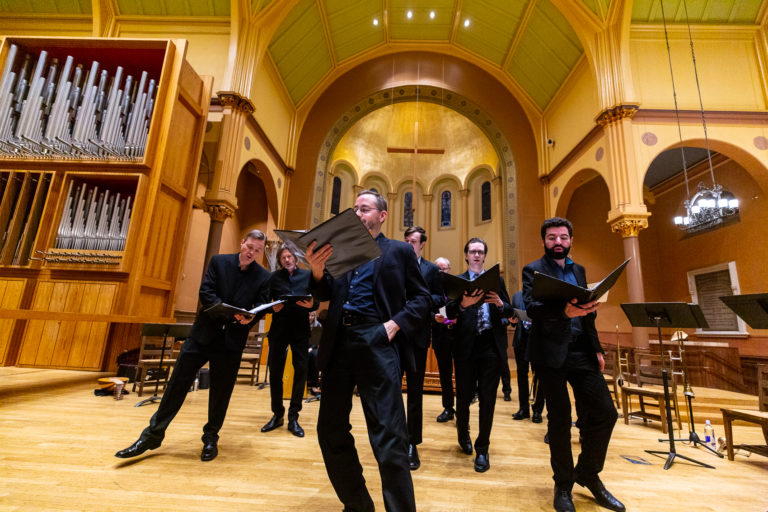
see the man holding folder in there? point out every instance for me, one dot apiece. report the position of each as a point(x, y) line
point(564, 349)
point(372, 307)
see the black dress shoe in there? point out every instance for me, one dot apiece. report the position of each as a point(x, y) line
point(563, 500)
point(602, 496)
point(413, 457)
point(521, 415)
point(138, 448)
point(466, 444)
point(507, 398)
point(294, 427)
point(546, 438)
point(482, 464)
point(446, 415)
point(210, 451)
point(273, 423)
point(536, 417)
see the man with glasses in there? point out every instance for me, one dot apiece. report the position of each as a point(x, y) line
point(564, 349)
point(372, 308)
point(479, 350)
point(237, 280)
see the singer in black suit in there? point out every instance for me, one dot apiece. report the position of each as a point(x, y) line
point(520, 342)
point(479, 350)
point(565, 349)
point(415, 366)
point(237, 280)
point(372, 308)
point(443, 330)
point(289, 328)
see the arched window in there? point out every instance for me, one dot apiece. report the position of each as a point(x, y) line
point(485, 201)
point(408, 209)
point(445, 209)
point(336, 195)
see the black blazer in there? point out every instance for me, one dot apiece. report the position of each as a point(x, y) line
point(522, 335)
point(466, 324)
point(292, 321)
point(431, 274)
point(225, 282)
point(399, 294)
point(551, 330)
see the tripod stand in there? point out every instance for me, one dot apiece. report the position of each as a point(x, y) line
point(669, 314)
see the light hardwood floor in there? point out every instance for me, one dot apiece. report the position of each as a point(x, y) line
point(58, 441)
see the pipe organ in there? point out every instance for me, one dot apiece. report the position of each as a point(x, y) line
point(95, 197)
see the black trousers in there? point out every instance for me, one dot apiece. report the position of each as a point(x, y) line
point(223, 365)
point(506, 385)
point(597, 416)
point(363, 356)
point(278, 353)
point(313, 374)
point(414, 379)
point(522, 365)
point(480, 372)
point(441, 344)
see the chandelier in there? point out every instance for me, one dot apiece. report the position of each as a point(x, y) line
point(710, 207)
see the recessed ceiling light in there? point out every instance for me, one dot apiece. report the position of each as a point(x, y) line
point(409, 14)
point(431, 15)
point(466, 22)
point(375, 22)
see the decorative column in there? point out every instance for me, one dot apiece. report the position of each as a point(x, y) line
point(464, 195)
point(629, 228)
point(427, 224)
point(219, 212)
point(390, 228)
point(496, 198)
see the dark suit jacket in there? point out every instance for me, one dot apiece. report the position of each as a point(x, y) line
point(466, 324)
point(291, 322)
point(522, 335)
point(399, 294)
point(225, 282)
point(551, 330)
point(431, 274)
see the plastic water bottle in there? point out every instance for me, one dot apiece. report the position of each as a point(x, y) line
point(709, 435)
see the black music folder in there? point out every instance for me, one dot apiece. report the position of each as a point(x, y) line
point(224, 310)
point(352, 244)
point(455, 286)
point(546, 287)
point(293, 299)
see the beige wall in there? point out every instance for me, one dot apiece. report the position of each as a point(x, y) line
point(274, 111)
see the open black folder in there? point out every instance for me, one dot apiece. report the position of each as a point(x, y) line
point(551, 288)
point(352, 244)
point(455, 286)
point(224, 310)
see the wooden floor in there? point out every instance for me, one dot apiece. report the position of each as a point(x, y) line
point(57, 445)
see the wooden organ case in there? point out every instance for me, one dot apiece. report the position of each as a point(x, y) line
point(100, 144)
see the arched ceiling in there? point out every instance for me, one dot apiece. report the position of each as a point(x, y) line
point(529, 41)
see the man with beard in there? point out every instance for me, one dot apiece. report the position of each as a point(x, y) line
point(479, 351)
point(415, 365)
point(565, 349)
point(289, 328)
point(237, 280)
point(372, 308)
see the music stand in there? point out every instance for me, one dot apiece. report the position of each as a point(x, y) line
point(166, 331)
point(752, 308)
point(666, 314)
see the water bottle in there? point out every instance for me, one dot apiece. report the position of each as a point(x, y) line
point(196, 385)
point(709, 435)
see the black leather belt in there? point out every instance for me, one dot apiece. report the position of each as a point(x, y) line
point(350, 319)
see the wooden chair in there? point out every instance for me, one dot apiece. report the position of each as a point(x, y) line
point(648, 373)
point(251, 360)
point(759, 417)
point(611, 373)
point(157, 353)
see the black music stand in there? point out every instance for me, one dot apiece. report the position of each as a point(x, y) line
point(166, 331)
point(666, 314)
point(752, 308)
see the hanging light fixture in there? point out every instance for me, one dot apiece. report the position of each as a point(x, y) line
point(710, 206)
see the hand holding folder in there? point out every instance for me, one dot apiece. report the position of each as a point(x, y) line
point(224, 310)
point(352, 244)
point(546, 287)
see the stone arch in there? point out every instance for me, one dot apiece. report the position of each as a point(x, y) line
point(563, 197)
point(377, 179)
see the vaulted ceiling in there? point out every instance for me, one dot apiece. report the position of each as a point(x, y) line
point(530, 41)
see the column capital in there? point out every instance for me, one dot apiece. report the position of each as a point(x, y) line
point(235, 101)
point(427, 197)
point(219, 212)
point(464, 192)
point(629, 225)
point(617, 113)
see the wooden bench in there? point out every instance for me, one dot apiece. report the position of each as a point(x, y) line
point(647, 372)
point(759, 417)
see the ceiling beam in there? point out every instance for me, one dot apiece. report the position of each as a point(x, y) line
point(327, 32)
point(524, 19)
